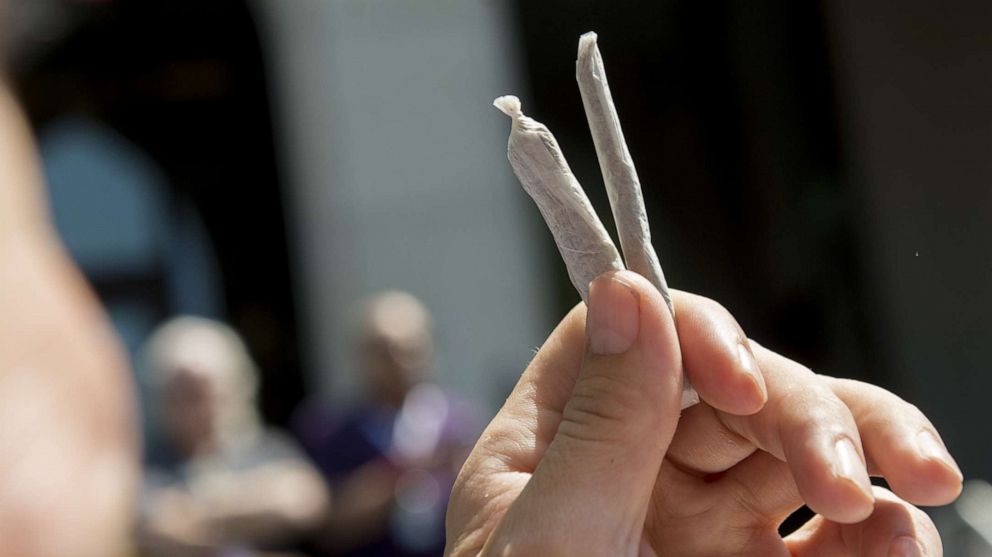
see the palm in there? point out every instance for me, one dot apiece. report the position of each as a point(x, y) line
point(687, 501)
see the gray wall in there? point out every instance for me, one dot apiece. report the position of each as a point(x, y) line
point(397, 168)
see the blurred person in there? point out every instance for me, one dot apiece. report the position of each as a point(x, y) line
point(590, 456)
point(68, 446)
point(228, 485)
point(392, 460)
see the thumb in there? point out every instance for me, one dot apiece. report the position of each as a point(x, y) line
point(591, 490)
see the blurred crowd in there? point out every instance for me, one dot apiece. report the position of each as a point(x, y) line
point(368, 479)
point(371, 480)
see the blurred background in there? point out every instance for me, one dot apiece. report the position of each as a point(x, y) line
point(820, 168)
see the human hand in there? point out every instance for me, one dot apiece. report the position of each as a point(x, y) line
point(585, 457)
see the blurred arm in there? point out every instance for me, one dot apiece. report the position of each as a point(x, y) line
point(273, 503)
point(67, 446)
point(263, 507)
point(361, 509)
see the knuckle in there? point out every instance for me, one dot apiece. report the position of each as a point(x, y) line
point(714, 309)
point(814, 409)
point(878, 406)
point(604, 408)
point(747, 500)
point(711, 311)
point(601, 399)
point(910, 409)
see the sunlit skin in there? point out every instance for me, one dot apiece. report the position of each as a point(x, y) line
point(589, 456)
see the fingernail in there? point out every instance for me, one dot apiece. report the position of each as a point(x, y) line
point(905, 546)
point(750, 366)
point(849, 465)
point(614, 319)
point(931, 448)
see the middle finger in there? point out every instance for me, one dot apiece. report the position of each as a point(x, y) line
point(803, 424)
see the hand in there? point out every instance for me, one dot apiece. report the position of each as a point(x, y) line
point(588, 455)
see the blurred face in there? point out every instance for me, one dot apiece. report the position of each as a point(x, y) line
point(396, 347)
point(204, 392)
point(190, 412)
point(394, 365)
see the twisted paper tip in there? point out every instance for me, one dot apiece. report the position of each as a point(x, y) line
point(509, 105)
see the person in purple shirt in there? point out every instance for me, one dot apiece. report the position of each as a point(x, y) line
point(392, 460)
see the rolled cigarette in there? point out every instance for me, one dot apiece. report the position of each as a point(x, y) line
point(620, 177)
point(622, 184)
point(541, 168)
point(583, 242)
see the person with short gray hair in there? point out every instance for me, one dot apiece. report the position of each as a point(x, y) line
point(227, 480)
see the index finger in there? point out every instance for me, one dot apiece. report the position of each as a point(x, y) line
point(717, 357)
point(715, 354)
